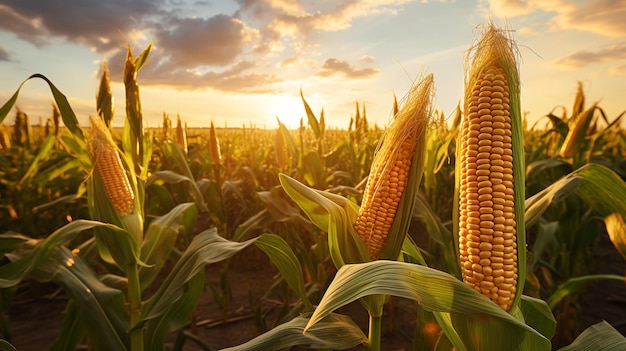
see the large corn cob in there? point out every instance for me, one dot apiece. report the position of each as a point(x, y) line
point(109, 166)
point(390, 170)
point(487, 226)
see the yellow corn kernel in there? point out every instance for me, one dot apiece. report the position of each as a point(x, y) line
point(487, 223)
point(109, 166)
point(389, 173)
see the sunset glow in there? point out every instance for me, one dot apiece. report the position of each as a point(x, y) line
point(242, 62)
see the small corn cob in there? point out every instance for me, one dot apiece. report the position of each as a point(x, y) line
point(214, 146)
point(181, 135)
point(389, 173)
point(487, 207)
point(109, 166)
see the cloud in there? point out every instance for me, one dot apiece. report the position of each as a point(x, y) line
point(603, 17)
point(192, 42)
point(98, 24)
point(334, 67)
point(367, 59)
point(238, 77)
point(4, 55)
point(296, 62)
point(585, 58)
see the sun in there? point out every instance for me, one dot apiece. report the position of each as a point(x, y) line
point(289, 109)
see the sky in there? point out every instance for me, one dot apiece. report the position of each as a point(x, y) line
point(244, 62)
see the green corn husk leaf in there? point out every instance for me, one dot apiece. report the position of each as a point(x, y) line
point(574, 285)
point(332, 214)
point(67, 114)
point(497, 48)
point(333, 332)
point(315, 126)
point(435, 291)
point(538, 315)
point(600, 336)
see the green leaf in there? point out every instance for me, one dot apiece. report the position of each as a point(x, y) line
point(616, 228)
point(537, 314)
point(333, 332)
point(6, 346)
point(434, 290)
point(285, 260)
point(601, 336)
point(159, 240)
point(12, 273)
point(176, 314)
point(44, 152)
point(573, 286)
point(332, 214)
point(311, 117)
point(101, 309)
point(205, 248)
point(72, 330)
point(67, 114)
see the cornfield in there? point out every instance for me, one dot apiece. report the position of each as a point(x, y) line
point(477, 233)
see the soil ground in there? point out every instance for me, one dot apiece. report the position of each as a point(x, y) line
point(34, 319)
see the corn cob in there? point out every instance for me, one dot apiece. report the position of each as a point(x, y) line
point(181, 135)
point(109, 166)
point(487, 208)
point(389, 173)
point(214, 146)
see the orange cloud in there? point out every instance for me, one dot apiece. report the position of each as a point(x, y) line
point(334, 67)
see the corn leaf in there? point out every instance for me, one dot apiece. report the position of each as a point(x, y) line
point(538, 315)
point(44, 152)
point(577, 133)
point(283, 257)
point(100, 309)
point(205, 248)
point(439, 233)
point(616, 228)
point(311, 117)
point(333, 332)
point(176, 315)
point(69, 118)
point(160, 238)
point(12, 273)
point(6, 346)
point(72, 330)
point(435, 291)
point(290, 143)
point(332, 214)
point(537, 204)
point(104, 97)
point(600, 336)
point(574, 285)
